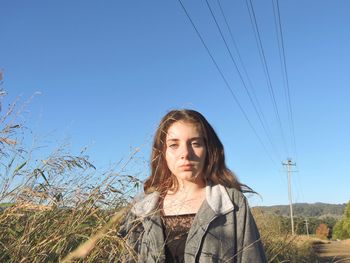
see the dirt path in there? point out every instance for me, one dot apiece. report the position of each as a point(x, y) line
point(333, 251)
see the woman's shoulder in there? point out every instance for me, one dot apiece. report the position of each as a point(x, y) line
point(237, 196)
point(141, 206)
point(144, 204)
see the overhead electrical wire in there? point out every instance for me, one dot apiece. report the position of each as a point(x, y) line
point(256, 104)
point(281, 48)
point(225, 81)
point(253, 20)
point(282, 53)
point(257, 111)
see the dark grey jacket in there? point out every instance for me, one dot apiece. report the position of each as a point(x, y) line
point(223, 230)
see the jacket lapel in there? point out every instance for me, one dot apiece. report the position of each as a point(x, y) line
point(198, 229)
point(217, 203)
point(154, 238)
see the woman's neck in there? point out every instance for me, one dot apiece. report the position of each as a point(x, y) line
point(186, 200)
point(189, 187)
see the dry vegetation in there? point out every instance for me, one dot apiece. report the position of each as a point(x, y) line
point(55, 205)
point(36, 227)
point(281, 246)
point(50, 206)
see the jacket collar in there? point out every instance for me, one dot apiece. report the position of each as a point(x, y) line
point(218, 199)
point(216, 196)
point(145, 204)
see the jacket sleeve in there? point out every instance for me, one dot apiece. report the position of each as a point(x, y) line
point(249, 245)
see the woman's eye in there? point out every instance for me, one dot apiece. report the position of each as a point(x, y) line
point(196, 144)
point(173, 146)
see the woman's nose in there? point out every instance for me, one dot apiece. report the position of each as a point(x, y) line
point(185, 152)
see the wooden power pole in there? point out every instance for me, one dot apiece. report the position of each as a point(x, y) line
point(307, 227)
point(289, 163)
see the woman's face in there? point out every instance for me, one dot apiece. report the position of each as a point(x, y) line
point(185, 151)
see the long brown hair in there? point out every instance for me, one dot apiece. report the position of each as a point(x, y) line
point(215, 170)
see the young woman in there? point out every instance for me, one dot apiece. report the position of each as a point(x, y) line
point(193, 209)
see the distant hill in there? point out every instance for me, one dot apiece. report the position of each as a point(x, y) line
point(318, 210)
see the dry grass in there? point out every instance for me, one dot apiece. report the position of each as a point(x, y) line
point(281, 246)
point(39, 228)
point(60, 209)
point(32, 232)
point(52, 205)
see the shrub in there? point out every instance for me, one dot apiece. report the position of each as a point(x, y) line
point(342, 227)
point(322, 231)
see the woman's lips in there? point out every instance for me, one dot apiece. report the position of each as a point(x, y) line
point(187, 167)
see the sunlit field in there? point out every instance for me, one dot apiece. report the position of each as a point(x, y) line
point(60, 208)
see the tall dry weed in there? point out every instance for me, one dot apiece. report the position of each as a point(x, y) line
point(50, 206)
point(281, 246)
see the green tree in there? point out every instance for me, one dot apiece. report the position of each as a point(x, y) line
point(342, 227)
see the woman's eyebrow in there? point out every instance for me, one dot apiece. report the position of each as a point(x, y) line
point(197, 138)
point(172, 140)
point(191, 139)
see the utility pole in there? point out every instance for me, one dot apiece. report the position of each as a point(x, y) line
point(289, 163)
point(307, 227)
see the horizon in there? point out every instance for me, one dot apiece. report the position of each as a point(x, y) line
point(302, 204)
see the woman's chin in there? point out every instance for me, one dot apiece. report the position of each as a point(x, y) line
point(189, 176)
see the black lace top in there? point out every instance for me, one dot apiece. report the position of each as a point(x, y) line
point(176, 228)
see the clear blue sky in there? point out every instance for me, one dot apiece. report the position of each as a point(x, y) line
point(109, 70)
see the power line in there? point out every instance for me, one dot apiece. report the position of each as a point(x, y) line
point(239, 73)
point(281, 48)
point(225, 81)
point(256, 106)
point(253, 20)
point(285, 71)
